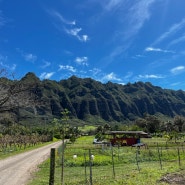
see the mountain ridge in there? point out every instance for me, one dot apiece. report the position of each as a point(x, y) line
point(88, 99)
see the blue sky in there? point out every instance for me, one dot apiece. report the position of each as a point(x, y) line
point(109, 40)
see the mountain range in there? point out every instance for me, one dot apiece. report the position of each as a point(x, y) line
point(92, 101)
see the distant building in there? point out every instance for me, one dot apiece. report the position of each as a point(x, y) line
point(126, 138)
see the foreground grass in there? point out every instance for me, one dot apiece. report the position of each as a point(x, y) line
point(124, 171)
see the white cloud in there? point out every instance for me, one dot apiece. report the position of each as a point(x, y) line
point(150, 76)
point(117, 51)
point(176, 84)
point(30, 57)
point(45, 75)
point(46, 64)
point(157, 50)
point(138, 14)
point(173, 29)
point(68, 52)
point(176, 41)
point(138, 56)
point(67, 67)
point(128, 75)
point(177, 70)
point(84, 38)
point(27, 56)
point(3, 58)
point(75, 32)
point(61, 18)
point(95, 71)
point(81, 60)
point(113, 4)
point(132, 18)
point(70, 31)
point(2, 19)
point(3, 61)
point(110, 77)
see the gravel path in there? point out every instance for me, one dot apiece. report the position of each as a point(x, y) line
point(16, 170)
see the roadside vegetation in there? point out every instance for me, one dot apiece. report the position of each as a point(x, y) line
point(116, 165)
point(16, 139)
point(79, 161)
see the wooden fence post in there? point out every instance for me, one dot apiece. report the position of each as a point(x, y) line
point(52, 166)
point(113, 169)
point(90, 166)
point(159, 156)
point(85, 161)
point(137, 162)
point(179, 159)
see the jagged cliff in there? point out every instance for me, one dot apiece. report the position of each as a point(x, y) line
point(87, 98)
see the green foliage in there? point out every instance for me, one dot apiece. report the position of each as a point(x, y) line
point(97, 103)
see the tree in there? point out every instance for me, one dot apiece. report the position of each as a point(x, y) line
point(179, 122)
point(17, 93)
point(62, 126)
point(153, 123)
point(141, 123)
point(149, 123)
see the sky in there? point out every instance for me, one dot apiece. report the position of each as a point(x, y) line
point(122, 41)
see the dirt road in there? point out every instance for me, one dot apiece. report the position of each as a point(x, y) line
point(16, 170)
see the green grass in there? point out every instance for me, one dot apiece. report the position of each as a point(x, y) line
point(126, 170)
point(87, 128)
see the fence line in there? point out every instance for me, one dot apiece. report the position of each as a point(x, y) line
point(105, 163)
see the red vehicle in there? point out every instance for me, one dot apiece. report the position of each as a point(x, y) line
point(126, 138)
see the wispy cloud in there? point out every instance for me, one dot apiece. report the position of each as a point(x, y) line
point(111, 77)
point(95, 71)
point(45, 75)
point(176, 41)
point(147, 76)
point(75, 31)
point(3, 63)
point(81, 60)
point(176, 84)
point(67, 67)
point(67, 52)
point(172, 30)
point(30, 57)
point(111, 4)
point(2, 19)
point(138, 56)
point(61, 18)
point(128, 75)
point(151, 49)
point(130, 23)
point(46, 64)
point(116, 52)
point(27, 56)
point(177, 70)
point(3, 58)
point(138, 14)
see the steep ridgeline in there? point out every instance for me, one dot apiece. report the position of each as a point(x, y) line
point(111, 102)
point(87, 98)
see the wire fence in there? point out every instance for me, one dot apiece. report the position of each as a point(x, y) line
point(119, 165)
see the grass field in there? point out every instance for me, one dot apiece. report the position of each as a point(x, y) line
point(123, 165)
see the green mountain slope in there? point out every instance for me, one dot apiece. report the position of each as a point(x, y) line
point(88, 99)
